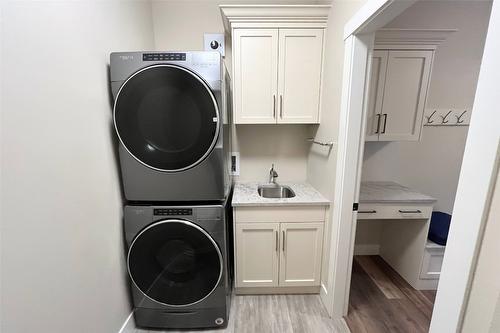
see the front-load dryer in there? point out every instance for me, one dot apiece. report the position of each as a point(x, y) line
point(178, 265)
point(172, 117)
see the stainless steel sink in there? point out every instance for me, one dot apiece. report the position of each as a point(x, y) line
point(275, 191)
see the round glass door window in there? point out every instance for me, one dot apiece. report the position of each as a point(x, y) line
point(175, 262)
point(166, 117)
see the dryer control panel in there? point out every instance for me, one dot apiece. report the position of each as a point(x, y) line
point(164, 56)
point(173, 211)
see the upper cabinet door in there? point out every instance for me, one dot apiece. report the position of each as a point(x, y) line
point(376, 94)
point(299, 83)
point(301, 249)
point(255, 75)
point(404, 97)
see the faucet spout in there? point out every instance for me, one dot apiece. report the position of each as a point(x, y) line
point(272, 175)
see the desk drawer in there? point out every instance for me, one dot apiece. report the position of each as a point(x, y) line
point(391, 211)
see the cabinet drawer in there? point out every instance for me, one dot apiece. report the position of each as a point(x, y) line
point(432, 261)
point(390, 211)
point(280, 214)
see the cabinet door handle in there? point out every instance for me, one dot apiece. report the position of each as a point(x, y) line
point(276, 233)
point(385, 122)
point(378, 123)
point(274, 106)
point(281, 106)
point(283, 233)
point(416, 211)
point(373, 211)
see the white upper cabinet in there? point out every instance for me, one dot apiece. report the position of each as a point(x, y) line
point(277, 75)
point(277, 62)
point(376, 94)
point(397, 95)
point(299, 79)
point(255, 75)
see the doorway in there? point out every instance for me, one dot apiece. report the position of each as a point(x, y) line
point(389, 154)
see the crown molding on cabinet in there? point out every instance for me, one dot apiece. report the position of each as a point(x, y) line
point(389, 38)
point(275, 16)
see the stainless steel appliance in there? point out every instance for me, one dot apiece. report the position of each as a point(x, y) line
point(178, 265)
point(171, 115)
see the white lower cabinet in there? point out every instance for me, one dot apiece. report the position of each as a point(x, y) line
point(300, 256)
point(274, 256)
point(257, 254)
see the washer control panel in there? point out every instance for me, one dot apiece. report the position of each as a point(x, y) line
point(173, 211)
point(164, 56)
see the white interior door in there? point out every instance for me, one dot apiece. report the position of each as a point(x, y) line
point(376, 94)
point(257, 246)
point(405, 93)
point(301, 249)
point(255, 75)
point(299, 82)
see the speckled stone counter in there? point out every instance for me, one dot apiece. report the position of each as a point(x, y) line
point(245, 194)
point(390, 192)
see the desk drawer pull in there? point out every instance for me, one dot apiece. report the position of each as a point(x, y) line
point(416, 211)
point(367, 211)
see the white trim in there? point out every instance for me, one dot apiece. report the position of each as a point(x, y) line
point(359, 38)
point(251, 16)
point(423, 38)
point(374, 15)
point(474, 189)
point(128, 325)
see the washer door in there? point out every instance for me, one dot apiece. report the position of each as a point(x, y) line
point(167, 117)
point(175, 262)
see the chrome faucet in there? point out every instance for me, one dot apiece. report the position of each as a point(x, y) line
point(272, 175)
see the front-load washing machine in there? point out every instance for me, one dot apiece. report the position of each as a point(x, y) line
point(178, 265)
point(172, 117)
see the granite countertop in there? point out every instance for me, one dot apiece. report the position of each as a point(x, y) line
point(245, 194)
point(390, 192)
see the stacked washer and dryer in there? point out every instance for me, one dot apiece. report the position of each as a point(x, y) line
point(171, 115)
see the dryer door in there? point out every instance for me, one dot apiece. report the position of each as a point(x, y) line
point(167, 117)
point(175, 262)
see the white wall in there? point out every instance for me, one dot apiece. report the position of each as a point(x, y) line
point(432, 165)
point(180, 25)
point(61, 234)
point(321, 162)
point(483, 307)
point(476, 210)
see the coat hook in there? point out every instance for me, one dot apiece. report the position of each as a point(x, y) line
point(429, 121)
point(444, 121)
point(459, 118)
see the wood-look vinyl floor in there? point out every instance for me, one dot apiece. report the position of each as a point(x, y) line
point(382, 301)
point(276, 314)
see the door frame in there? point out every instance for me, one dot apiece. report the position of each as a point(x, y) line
point(474, 186)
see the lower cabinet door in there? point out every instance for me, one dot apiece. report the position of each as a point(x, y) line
point(300, 254)
point(257, 246)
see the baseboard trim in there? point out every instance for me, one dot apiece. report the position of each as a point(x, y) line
point(129, 324)
point(366, 249)
point(276, 290)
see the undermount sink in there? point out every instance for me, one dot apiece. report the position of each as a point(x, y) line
point(275, 191)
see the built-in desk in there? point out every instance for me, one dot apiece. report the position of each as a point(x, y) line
point(406, 215)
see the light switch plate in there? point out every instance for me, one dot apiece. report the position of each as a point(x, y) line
point(234, 167)
point(214, 42)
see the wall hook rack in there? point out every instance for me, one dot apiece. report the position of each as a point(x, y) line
point(449, 117)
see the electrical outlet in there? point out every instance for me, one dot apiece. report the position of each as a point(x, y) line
point(235, 164)
point(214, 42)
